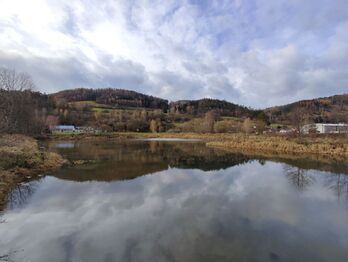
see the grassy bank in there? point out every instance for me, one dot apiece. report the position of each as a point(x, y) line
point(329, 146)
point(20, 157)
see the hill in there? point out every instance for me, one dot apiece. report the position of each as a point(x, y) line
point(117, 98)
point(333, 109)
point(202, 106)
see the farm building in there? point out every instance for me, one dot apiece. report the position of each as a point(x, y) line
point(322, 128)
point(63, 129)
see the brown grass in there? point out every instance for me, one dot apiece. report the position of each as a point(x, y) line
point(20, 157)
point(329, 146)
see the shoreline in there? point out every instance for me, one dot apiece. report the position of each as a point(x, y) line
point(21, 159)
point(334, 146)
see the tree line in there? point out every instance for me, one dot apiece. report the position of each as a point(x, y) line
point(20, 110)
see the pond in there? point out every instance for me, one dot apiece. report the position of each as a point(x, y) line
point(176, 201)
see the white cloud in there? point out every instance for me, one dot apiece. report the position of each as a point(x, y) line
point(259, 53)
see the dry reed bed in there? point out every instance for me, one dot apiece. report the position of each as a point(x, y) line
point(331, 146)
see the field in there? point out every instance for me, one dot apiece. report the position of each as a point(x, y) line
point(97, 107)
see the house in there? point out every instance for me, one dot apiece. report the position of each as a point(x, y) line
point(86, 129)
point(287, 131)
point(323, 128)
point(62, 129)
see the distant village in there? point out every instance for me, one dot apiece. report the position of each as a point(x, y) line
point(316, 128)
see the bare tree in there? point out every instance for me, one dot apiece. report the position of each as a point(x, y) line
point(209, 121)
point(17, 109)
point(153, 126)
point(247, 126)
point(299, 118)
point(10, 80)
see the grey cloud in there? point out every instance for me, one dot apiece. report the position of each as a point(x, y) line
point(51, 75)
point(179, 87)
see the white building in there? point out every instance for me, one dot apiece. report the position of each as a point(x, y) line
point(63, 129)
point(322, 128)
point(87, 129)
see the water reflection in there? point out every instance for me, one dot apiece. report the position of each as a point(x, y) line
point(299, 177)
point(127, 160)
point(20, 194)
point(302, 178)
point(185, 211)
point(339, 183)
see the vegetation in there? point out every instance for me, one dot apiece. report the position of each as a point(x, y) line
point(117, 98)
point(332, 109)
point(21, 109)
point(21, 157)
point(334, 146)
point(203, 106)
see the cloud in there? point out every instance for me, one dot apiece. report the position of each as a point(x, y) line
point(258, 53)
point(162, 215)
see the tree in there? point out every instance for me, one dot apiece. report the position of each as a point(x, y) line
point(209, 121)
point(247, 125)
point(299, 118)
point(17, 106)
point(260, 126)
point(153, 126)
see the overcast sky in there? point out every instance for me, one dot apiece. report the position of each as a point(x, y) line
point(253, 52)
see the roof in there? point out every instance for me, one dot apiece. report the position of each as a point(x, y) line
point(339, 124)
point(65, 127)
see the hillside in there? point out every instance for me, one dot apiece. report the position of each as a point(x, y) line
point(333, 109)
point(202, 106)
point(117, 98)
point(120, 110)
point(124, 110)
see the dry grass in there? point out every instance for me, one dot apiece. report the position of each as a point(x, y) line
point(330, 146)
point(19, 157)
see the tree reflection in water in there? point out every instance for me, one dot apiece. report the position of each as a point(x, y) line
point(338, 183)
point(299, 177)
point(20, 194)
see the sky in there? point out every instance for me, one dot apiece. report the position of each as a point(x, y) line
point(258, 53)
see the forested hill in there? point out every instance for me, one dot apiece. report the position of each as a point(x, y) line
point(202, 106)
point(118, 98)
point(326, 109)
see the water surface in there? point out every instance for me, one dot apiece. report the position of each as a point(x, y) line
point(176, 201)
